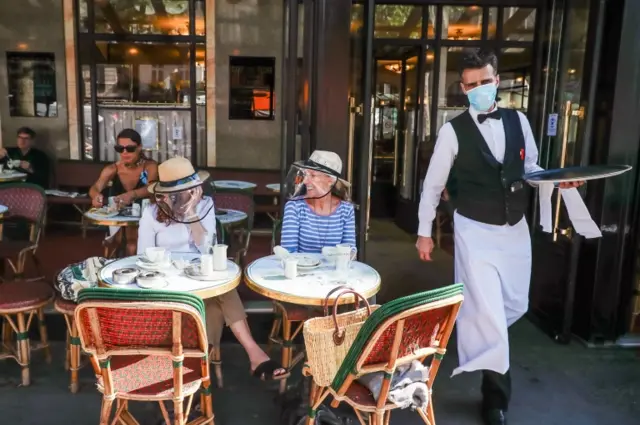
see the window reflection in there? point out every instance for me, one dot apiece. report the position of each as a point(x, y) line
point(462, 22)
point(170, 17)
point(143, 72)
point(515, 76)
point(492, 27)
point(395, 21)
point(519, 23)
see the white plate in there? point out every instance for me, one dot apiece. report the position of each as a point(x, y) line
point(153, 266)
point(153, 284)
point(103, 213)
point(307, 262)
point(193, 272)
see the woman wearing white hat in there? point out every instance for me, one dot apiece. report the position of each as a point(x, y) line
point(318, 213)
point(181, 220)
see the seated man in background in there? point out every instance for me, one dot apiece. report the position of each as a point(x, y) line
point(27, 159)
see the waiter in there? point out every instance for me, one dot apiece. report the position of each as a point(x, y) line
point(487, 150)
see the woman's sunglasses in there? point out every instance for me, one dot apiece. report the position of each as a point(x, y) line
point(128, 148)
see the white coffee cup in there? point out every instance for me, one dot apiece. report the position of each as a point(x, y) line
point(155, 254)
point(135, 210)
point(290, 268)
point(206, 264)
point(145, 203)
point(345, 254)
point(1, 168)
point(219, 257)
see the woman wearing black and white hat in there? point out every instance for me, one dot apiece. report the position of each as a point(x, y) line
point(319, 212)
point(180, 220)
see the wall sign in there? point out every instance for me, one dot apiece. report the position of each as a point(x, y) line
point(251, 88)
point(32, 84)
point(552, 125)
point(148, 129)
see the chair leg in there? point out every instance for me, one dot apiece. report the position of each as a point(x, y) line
point(67, 358)
point(23, 349)
point(216, 359)
point(178, 415)
point(286, 350)
point(75, 357)
point(43, 336)
point(105, 410)
point(275, 329)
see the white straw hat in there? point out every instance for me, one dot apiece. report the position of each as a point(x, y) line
point(177, 174)
point(327, 162)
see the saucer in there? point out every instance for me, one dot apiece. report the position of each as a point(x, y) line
point(147, 264)
point(307, 262)
point(193, 272)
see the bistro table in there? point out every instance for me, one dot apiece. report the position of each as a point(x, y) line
point(229, 217)
point(121, 221)
point(234, 185)
point(310, 288)
point(176, 279)
point(7, 176)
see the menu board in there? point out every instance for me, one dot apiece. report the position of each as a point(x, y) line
point(32, 84)
point(251, 88)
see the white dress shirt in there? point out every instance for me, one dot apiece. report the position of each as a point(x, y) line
point(174, 237)
point(445, 153)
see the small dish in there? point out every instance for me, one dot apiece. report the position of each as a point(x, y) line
point(103, 212)
point(307, 262)
point(151, 280)
point(149, 265)
point(193, 272)
point(125, 276)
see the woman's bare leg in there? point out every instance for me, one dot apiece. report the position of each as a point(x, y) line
point(257, 356)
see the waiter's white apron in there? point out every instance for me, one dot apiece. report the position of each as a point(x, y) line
point(494, 263)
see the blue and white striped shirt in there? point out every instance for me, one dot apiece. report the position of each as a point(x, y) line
point(305, 231)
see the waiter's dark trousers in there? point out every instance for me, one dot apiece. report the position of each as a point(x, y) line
point(496, 390)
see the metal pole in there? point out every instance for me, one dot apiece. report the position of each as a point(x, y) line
point(365, 147)
point(291, 105)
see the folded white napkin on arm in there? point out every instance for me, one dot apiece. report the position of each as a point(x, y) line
point(577, 210)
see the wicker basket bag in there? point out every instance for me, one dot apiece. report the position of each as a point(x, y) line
point(328, 339)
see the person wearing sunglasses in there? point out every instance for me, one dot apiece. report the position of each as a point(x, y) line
point(126, 180)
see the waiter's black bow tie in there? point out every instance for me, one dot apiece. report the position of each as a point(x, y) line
point(495, 115)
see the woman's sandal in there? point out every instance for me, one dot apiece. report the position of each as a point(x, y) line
point(265, 371)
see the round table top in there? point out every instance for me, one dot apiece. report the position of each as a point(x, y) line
point(231, 216)
point(3, 209)
point(274, 187)
point(12, 176)
point(266, 277)
point(118, 220)
point(234, 184)
point(176, 278)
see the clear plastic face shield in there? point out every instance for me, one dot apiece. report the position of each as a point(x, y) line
point(312, 181)
point(181, 206)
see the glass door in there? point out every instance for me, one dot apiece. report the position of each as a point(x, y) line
point(395, 108)
point(561, 136)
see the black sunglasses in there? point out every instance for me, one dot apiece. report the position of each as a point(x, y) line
point(128, 148)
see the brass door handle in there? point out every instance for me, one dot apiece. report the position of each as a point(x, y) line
point(565, 141)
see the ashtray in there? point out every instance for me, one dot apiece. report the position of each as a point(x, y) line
point(151, 280)
point(125, 276)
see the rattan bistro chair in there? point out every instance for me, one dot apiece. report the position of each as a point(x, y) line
point(416, 327)
point(151, 346)
point(26, 203)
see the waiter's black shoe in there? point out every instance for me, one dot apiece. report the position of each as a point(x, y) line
point(494, 417)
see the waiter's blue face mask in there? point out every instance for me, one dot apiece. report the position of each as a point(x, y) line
point(483, 97)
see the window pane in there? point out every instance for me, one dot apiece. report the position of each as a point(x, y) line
point(83, 16)
point(451, 100)
point(515, 76)
point(462, 22)
point(32, 84)
point(200, 28)
point(392, 21)
point(169, 17)
point(431, 22)
point(519, 23)
point(493, 23)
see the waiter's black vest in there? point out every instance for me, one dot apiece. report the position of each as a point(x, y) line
point(483, 189)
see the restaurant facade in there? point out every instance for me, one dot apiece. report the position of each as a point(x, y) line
point(256, 84)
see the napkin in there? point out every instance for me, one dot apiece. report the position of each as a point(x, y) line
point(280, 252)
point(577, 210)
point(79, 276)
